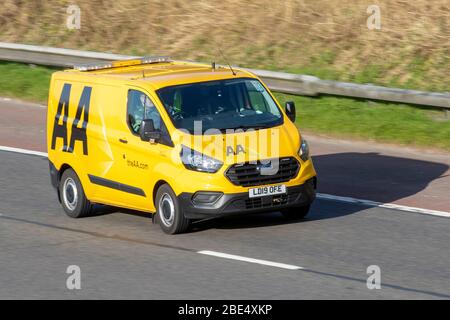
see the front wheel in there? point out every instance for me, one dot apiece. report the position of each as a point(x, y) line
point(169, 214)
point(73, 199)
point(295, 213)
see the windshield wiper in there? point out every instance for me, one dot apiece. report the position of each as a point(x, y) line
point(251, 126)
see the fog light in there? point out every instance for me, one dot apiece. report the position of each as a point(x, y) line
point(206, 197)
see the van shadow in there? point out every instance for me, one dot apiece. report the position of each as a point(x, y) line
point(375, 177)
point(370, 176)
point(99, 210)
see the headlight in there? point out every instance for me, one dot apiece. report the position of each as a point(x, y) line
point(303, 152)
point(196, 161)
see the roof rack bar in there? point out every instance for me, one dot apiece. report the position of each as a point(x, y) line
point(121, 63)
point(155, 59)
point(93, 66)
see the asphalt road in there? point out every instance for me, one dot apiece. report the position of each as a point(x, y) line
point(123, 255)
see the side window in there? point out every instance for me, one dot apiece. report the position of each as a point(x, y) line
point(140, 107)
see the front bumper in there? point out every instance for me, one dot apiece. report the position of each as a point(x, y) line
point(240, 203)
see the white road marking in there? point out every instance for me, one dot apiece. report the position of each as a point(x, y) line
point(322, 196)
point(251, 260)
point(371, 203)
point(23, 151)
point(27, 104)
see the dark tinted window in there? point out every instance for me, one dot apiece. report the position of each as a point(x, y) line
point(224, 104)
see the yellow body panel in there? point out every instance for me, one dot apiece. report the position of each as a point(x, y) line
point(136, 163)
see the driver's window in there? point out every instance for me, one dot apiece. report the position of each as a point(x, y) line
point(140, 107)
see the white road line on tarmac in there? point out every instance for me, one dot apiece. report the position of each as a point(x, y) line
point(23, 151)
point(244, 259)
point(40, 106)
point(251, 260)
point(371, 203)
point(26, 103)
point(322, 196)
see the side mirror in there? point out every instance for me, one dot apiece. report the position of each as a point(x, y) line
point(290, 110)
point(147, 131)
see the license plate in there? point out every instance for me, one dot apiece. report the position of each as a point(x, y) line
point(266, 191)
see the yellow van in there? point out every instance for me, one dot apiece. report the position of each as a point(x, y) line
point(180, 140)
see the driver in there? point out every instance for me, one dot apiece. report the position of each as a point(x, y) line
point(136, 114)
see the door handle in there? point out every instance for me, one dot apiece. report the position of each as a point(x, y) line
point(123, 140)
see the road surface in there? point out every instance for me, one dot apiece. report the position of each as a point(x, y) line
point(122, 254)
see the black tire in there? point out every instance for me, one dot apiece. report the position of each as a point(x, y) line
point(73, 199)
point(168, 211)
point(296, 213)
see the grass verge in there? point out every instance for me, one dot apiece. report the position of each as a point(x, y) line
point(333, 116)
point(24, 81)
point(377, 121)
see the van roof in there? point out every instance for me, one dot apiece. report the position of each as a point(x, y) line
point(167, 73)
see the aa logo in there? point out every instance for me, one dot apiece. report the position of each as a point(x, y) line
point(239, 149)
point(78, 132)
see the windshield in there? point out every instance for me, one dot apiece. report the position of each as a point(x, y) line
point(223, 104)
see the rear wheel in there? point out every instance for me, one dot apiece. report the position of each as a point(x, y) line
point(169, 214)
point(295, 213)
point(73, 199)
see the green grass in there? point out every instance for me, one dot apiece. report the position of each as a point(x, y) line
point(333, 116)
point(378, 121)
point(25, 82)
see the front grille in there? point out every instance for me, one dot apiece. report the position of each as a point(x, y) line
point(271, 201)
point(266, 202)
point(249, 174)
